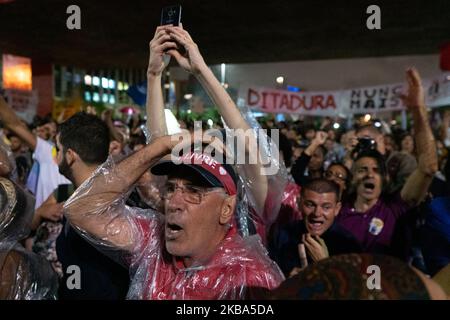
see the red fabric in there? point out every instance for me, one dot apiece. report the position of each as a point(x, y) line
point(260, 226)
point(445, 57)
point(288, 213)
point(213, 167)
point(238, 264)
point(289, 210)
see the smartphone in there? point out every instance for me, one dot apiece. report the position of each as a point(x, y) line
point(367, 143)
point(171, 15)
point(364, 144)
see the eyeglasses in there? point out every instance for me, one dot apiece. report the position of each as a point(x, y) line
point(190, 193)
point(330, 174)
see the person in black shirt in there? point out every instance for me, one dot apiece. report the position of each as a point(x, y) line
point(317, 236)
point(83, 145)
point(310, 163)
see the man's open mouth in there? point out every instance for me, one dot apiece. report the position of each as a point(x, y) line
point(369, 186)
point(173, 230)
point(315, 224)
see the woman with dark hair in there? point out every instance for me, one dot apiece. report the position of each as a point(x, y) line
point(310, 163)
point(339, 174)
point(407, 144)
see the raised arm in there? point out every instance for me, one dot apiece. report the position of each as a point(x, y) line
point(156, 121)
point(13, 123)
point(50, 210)
point(299, 167)
point(95, 208)
point(114, 133)
point(416, 186)
point(193, 62)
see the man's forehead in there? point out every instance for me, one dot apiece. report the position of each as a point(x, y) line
point(366, 162)
point(336, 167)
point(368, 133)
point(339, 171)
point(319, 197)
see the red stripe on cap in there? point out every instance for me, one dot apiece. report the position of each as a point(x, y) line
point(212, 166)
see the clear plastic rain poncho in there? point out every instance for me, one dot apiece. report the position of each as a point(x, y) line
point(7, 161)
point(272, 168)
point(23, 274)
point(136, 238)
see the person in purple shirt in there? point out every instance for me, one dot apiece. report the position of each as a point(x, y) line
point(370, 214)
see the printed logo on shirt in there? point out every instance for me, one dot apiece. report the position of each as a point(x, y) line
point(376, 225)
point(54, 154)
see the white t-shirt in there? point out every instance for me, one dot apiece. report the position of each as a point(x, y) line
point(447, 138)
point(44, 177)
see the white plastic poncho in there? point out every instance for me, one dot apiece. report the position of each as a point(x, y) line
point(238, 264)
point(135, 237)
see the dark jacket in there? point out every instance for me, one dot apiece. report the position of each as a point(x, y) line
point(284, 247)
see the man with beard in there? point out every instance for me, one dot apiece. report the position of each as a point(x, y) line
point(370, 215)
point(83, 144)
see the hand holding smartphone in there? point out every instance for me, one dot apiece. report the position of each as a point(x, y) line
point(171, 15)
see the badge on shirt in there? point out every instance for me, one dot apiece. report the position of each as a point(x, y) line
point(54, 154)
point(376, 225)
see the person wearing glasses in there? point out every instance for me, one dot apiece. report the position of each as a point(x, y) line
point(192, 249)
point(339, 174)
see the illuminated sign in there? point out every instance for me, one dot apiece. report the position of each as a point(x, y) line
point(16, 72)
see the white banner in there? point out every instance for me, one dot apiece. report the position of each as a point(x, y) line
point(375, 99)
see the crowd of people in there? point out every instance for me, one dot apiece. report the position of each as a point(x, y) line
point(98, 208)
